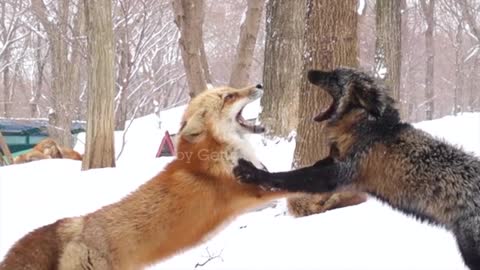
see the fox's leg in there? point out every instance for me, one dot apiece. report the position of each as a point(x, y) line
point(324, 162)
point(324, 176)
point(467, 233)
point(344, 199)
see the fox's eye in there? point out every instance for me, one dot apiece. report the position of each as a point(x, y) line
point(229, 97)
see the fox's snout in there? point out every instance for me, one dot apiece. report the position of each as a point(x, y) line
point(256, 92)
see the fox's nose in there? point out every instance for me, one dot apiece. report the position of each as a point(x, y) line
point(259, 86)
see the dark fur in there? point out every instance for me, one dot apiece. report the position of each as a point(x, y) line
point(373, 151)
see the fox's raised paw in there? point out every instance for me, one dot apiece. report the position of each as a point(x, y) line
point(247, 173)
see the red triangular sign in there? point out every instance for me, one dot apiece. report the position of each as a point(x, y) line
point(166, 148)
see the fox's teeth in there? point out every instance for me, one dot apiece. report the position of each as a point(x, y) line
point(247, 125)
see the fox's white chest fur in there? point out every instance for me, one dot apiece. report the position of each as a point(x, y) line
point(241, 148)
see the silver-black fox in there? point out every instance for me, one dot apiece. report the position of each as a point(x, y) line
point(371, 150)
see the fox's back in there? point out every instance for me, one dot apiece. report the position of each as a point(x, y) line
point(427, 175)
point(435, 159)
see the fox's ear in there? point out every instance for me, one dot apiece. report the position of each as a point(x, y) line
point(371, 97)
point(193, 127)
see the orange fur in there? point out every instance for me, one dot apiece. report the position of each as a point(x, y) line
point(30, 156)
point(70, 153)
point(193, 196)
point(49, 147)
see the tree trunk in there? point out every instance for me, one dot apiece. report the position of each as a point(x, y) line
point(388, 54)
point(458, 93)
point(189, 16)
point(99, 147)
point(5, 58)
point(60, 118)
point(246, 44)
point(123, 80)
point(37, 87)
point(283, 66)
point(428, 10)
point(76, 61)
point(5, 155)
point(204, 60)
point(329, 42)
point(6, 88)
point(469, 18)
point(473, 97)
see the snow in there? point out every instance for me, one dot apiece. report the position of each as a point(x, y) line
point(361, 7)
point(462, 130)
point(382, 72)
point(368, 236)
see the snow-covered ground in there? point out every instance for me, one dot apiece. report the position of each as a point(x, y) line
point(368, 236)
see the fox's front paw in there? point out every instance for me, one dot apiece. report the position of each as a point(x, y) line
point(247, 173)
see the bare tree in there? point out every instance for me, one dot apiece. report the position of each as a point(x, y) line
point(469, 12)
point(428, 8)
point(64, 66)
point(452, 24)
point(99, 148)
point(246, 44)
point(10, 35)
point(124, 65)
point(412, 22)
point(189, 16)
point(283, 48)
point(40, 62)
point(473, 95)
point(146, 55)
point(458, 92)
point(388, 55)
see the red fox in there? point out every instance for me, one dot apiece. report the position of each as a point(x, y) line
point(178, 208)
point(47, 148)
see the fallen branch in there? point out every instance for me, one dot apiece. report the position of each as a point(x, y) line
point(210, 258)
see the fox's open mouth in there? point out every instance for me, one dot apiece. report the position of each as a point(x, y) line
point(326, 114)
point(247, 125)
point(324, 80)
